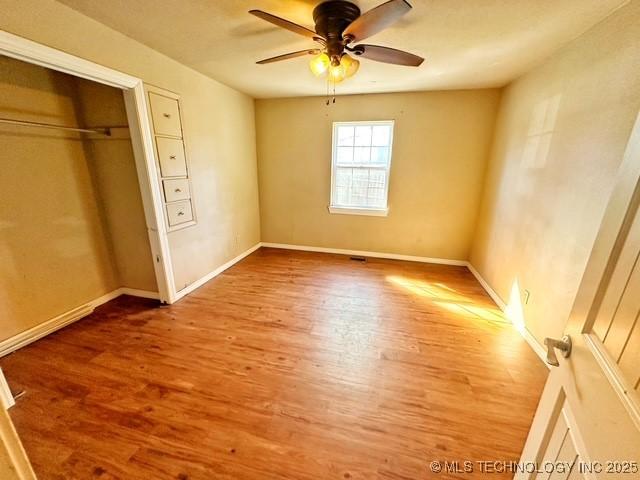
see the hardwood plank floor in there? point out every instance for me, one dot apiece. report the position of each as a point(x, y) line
point(289, 365)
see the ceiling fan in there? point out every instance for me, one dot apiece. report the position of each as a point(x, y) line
point(338, 25)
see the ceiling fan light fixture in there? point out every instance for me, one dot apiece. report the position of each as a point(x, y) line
point(339, 28)
point(337, 73)
point(350, 65)
point(320, 64)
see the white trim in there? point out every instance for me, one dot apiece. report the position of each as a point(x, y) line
point(134, 292)
point(492, 293)
point(31, 52)
point(526, 334)
point(198, 283)
point(56, 323)
point(6, 397)
point(28, 51)
point(144, 153)
point(386, 167)
point(366, 253)
point(371, 212)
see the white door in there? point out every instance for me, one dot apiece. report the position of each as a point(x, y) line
point(588, 421)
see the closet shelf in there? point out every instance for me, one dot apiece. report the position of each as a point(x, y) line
point(101, 130)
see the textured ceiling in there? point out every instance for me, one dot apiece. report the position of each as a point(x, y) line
point(467, 43)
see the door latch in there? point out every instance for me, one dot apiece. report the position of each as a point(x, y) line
point(563, 345)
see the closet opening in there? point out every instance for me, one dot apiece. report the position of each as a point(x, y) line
point(77, 217)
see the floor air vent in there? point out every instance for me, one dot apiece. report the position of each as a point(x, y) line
point(357, 258)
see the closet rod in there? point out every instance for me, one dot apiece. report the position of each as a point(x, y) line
point(25, 123)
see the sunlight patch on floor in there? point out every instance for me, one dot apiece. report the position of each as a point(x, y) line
point(448, 298)
point(427, 289)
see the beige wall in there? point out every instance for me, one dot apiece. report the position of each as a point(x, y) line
point(114, 176)
point(218, 123)
point(551, 173)
point(440, 148)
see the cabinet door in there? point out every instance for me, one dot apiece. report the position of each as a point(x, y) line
point(175, 190)
point(179, 212)
point(171, 156)
point(165, 114)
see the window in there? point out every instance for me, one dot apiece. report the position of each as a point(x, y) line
point(360, 167)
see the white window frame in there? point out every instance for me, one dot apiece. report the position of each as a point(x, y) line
point(342, 209)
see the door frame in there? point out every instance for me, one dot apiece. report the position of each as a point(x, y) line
point(141, 138)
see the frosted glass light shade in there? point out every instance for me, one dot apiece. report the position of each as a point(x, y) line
point(320, 64)
point(350, 64)
point(337, 73)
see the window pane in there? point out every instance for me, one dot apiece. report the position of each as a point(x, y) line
point(380, 155)
point(344, 155)
point(343, 186)
point(343, 177)
point(360, 186)
point(345, 136)
point(377, 178)
point(377, 188)
point(375, 198)
point(381, 136)
point(362, 155)
point(341, 196)
point(363, 136)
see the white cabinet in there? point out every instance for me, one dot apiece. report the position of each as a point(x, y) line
point(165, 115)
point(179, 212)
point(172, 161)
point(177, 189)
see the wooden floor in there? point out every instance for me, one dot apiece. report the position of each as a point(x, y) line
point(289, 365)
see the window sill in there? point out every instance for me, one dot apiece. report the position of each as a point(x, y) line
point(372, 212)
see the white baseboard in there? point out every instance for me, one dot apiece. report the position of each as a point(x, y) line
point(366, 253)
point(526, 334)
point(198, 283)
point(56, 323)
point(134, 292)
point(492, 293)
point(35, 333)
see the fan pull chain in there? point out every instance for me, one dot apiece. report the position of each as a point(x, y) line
point(328, 80)
point(331, 98)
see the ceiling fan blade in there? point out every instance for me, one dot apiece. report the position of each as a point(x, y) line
point(282, 23)
point(287, 56)
point(388, 55)
point(376, 19)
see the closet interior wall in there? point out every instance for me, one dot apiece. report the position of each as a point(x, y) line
point(72, 226)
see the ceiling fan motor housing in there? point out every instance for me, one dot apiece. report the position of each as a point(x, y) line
point(331, 18)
